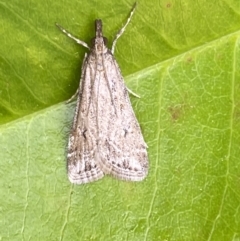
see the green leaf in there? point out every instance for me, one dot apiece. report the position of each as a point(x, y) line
point(182, 58)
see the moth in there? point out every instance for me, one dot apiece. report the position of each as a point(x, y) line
point(105, 137)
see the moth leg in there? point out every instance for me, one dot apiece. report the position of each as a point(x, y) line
point(72, 37)
point(132, 93)
point(120, 32)
point(77, 91)
point(72, 97)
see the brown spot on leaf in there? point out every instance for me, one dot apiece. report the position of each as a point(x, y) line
point(189, 59)
point(176, 112)
point(169, 5)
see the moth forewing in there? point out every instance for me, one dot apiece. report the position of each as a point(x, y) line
point(122, 149)
point(82, 166)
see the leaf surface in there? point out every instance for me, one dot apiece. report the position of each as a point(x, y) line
point(183, 59)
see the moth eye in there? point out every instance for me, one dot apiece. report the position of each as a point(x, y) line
point(93, 41)
point(105, 40)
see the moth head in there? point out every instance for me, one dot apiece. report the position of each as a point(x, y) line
point(99, 42)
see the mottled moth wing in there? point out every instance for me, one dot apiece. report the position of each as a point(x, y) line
point(122, 151)
point(82, 166)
